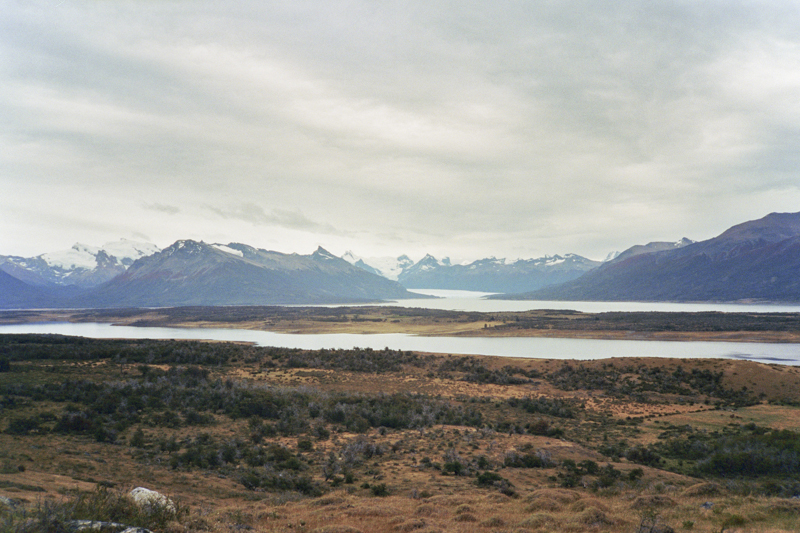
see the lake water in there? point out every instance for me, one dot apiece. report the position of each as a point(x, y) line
point(786, 354)
point(473, 301)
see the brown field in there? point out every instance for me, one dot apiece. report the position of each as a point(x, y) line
point(45, 467)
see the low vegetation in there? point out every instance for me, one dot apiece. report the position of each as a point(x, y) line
point(273, 439)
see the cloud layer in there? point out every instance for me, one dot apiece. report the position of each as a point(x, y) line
point(470, 129)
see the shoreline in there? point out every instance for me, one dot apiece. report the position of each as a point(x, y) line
point(652, 326)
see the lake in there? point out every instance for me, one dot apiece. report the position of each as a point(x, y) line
point(473, 301)
point(786, 354)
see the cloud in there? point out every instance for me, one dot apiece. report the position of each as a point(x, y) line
point(162, 208)
point(256, 215)
point(498, 128)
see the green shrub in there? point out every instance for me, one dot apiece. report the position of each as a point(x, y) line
point(379, 490)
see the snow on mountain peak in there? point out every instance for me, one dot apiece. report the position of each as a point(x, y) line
point(79, 256)
point(228, 250)
point(388, 267)
point(322, 253)
point(127, 251)
point(352, 258)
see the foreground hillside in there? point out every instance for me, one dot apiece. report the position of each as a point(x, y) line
point(266, 439)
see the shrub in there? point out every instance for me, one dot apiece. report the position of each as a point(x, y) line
point(379, 490)
point(23, 426)
point(137, 439)
point(487, 479)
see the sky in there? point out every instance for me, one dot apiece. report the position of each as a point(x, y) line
point(462, 128)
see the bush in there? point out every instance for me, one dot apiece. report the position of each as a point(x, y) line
point(379, 490)
point(23, 426)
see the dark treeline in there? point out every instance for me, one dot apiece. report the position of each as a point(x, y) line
point(271, 313)
point(652, 321)
point(548, 319)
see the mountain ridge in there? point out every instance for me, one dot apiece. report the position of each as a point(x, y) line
point(196, 273)
point(82, 266)
point(754, 260)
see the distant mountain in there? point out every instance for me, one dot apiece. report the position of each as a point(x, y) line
point(756, 260)
point(81, 266)
point(495, 275)
point(388, 267)
point(15, 293)
point(196, 273)
point(649, 248)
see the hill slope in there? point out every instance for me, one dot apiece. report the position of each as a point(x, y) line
point(756, 260)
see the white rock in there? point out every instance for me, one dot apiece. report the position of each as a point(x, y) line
point(151, 499)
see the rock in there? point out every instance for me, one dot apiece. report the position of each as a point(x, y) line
point(96, 525)
point(707, 505)
point(8, 502)
point(151, 500)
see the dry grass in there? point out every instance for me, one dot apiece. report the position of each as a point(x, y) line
point(422, 499)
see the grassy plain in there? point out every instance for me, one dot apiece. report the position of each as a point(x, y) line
point(347, 441)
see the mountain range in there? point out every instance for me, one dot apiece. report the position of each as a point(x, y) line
point(195, 273)
point(496, 275)
point(81, 266)
point(484, 275)
point(755, 260)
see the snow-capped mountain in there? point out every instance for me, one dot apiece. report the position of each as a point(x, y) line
point(81, 266)
point(494, 275)
point(484, 275)
point(388, 267)
point(195, 273)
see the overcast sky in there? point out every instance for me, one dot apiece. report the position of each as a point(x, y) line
point(460, 128)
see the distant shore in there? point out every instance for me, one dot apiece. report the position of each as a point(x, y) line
point(656, 326)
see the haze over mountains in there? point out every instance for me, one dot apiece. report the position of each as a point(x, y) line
point(756, 260)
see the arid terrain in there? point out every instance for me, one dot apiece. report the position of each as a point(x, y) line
point(272, 439)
